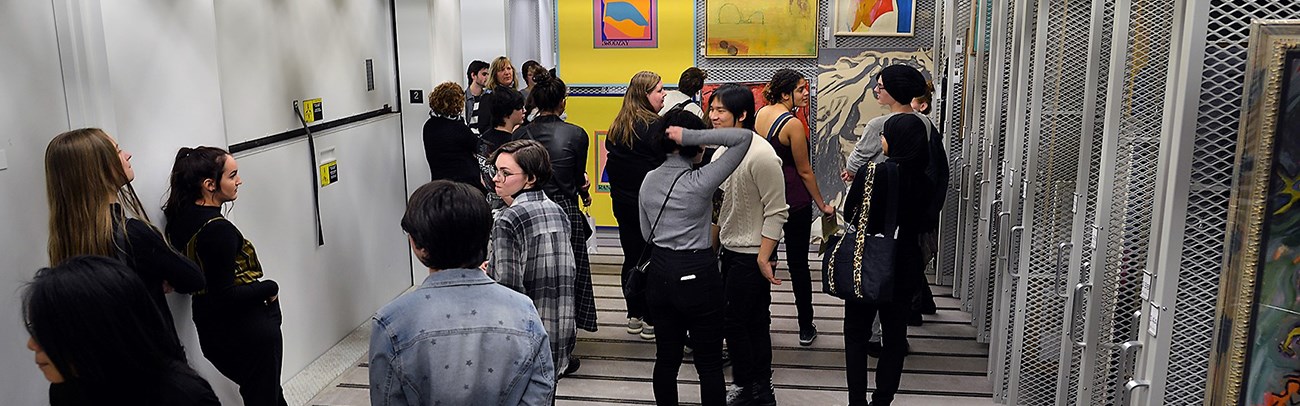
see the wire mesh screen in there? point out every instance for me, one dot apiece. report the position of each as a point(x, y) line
point(1207, 211)
point(1008, 304)
point(1128, 228)
point(1053, 174)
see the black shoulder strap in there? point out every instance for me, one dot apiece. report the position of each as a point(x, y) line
point(661, 214)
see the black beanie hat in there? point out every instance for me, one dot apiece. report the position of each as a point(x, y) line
point(903, 82)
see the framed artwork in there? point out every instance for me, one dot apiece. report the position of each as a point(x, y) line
point(846, 100)
point(1256, 360)
point(602, 159)
point(760, 28)
point(626, 23)
point(886, 18)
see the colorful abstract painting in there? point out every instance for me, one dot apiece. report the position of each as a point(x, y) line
point(845, 102)
point(875, 17)
point(1273, 369)
point(761, 28)
point(626, 23)
point(602, 158)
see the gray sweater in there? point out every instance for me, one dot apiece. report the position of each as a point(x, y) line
point(686, 218)
point(868, 147)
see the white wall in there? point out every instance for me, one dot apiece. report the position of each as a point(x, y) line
point(483, 32)
point(33, 110)
point(149, 72)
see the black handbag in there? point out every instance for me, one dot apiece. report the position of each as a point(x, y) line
point(635, 283)
point(860, 266)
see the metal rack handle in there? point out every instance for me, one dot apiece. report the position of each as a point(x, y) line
point(1076, 306)
point(1061, 250)
point(1125, 396)
point(995, 218)
point(1013, 261)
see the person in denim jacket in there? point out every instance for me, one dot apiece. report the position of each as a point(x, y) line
point(459, 338)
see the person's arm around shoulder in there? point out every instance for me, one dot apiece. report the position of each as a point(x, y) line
point(737, 141)
point(385, 374)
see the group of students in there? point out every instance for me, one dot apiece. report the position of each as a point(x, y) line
point(701, 206)
point(98, 318)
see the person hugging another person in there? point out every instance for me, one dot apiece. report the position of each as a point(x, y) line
point(531, 251)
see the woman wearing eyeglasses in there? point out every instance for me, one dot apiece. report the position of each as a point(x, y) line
point(531, 251)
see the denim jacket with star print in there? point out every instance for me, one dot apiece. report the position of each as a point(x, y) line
point(460, 339)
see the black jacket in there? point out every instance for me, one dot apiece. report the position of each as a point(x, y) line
point(627, 165)
point(449, 147)
point(567, 144)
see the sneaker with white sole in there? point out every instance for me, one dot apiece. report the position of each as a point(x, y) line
point(647, 331)
point(634, 325)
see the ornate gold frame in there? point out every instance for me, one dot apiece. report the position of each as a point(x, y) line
point(1270, 41)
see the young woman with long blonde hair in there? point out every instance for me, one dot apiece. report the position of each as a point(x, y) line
point(632, 154)
point(95, 211)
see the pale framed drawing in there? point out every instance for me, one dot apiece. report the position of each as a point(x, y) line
point(885, 18)
point(625, 23)
point(1256, 359)
point(760, 28)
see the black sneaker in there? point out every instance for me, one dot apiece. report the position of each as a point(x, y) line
point(762, 394)
point(574, 364)
point(874, 349)
point(806, 337)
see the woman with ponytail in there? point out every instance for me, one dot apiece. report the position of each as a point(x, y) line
point(95, 211)
point(238, 315)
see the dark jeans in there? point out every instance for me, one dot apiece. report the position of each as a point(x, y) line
point(629, 236)
point(748, 318)
point(798, 233)
point(857, 331)
point(247, 348)
point(686, 305)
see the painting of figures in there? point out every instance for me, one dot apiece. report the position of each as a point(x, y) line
point(875, 17)
point(761, 28)
point(845, 102)
point(626, 23)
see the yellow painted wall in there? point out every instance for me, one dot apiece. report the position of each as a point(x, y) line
point(594, 114)
point(580, 62)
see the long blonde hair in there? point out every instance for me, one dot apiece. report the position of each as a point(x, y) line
point(83, 173)
point(636, 108)
point(497, 65)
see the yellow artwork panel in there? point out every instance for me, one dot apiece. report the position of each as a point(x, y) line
point(581, 63)
point(761, 28)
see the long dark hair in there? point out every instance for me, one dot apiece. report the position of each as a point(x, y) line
point(783, 82)
point(191, 168)
point(738, 100)
point(94, 319)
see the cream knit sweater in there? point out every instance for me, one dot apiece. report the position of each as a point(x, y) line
point(753, 199)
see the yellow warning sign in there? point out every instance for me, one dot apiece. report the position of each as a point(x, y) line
point(311, 110)
point(329, 173)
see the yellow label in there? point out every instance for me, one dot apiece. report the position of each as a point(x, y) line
point(329, 173)
point(311, 110)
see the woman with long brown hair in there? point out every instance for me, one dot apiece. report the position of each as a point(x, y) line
point(95, 211)
point(632, 154)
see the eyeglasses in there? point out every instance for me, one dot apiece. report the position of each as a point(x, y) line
point(503, 175)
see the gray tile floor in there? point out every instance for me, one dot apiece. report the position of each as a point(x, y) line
point(947, 367)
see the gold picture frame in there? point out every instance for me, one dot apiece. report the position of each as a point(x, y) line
point(1254, 358)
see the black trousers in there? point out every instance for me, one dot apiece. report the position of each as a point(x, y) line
point(798, 234)
point(682, 292)
point(747, 318)
point(247, 347)
point(629, 236)
point(857, 331)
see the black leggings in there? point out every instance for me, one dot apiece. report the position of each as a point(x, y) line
point(629, 236)
point(798, 234)
point(682, 292)
point(248, 349)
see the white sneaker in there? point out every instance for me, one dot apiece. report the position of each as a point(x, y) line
point(647, 332)
point(633, 325)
